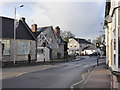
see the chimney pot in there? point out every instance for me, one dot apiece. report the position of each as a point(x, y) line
point(57, 31)
point(23, 19)
point(34, 27)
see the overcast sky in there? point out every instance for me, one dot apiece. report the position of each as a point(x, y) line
point(81, 18)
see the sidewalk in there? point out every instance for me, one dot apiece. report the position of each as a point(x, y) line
point(99, 77)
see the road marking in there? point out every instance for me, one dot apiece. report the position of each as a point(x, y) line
point(10, 75)
point(88, 77)
point(72, 86)
point(76, 65)
point(20, 74)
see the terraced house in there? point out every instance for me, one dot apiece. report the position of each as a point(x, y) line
point(112, 28)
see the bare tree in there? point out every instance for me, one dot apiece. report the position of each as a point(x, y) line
point(66, 35)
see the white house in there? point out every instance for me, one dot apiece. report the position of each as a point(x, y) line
point(43, 54)
point(47, 37)
point(77, 45)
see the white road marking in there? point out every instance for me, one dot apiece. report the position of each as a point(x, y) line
point(72, 86)
point(88, 77)
point(20, 74)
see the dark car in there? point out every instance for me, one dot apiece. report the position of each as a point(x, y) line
point(95, 54)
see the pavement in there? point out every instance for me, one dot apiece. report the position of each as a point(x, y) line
point(99, 77)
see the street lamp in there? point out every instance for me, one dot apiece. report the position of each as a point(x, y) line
point(15, 31)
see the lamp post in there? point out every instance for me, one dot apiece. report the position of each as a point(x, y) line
point(15, 32)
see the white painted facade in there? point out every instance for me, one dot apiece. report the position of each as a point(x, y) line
point(112, 37)
point(43, 54)
point(76, 47)
point(73, 46)
point(113, 42)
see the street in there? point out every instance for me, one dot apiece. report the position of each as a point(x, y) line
point(60, 75)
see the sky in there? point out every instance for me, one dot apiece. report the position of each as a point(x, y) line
point(83, 18)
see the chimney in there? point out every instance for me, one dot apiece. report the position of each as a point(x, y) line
point(22, 19)
point(34, 27)
point(57, 31)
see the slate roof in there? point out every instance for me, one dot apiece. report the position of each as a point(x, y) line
point(22, 31)
point(36, 34)
point(82, 41)
point(41, 29)
point(91, 48)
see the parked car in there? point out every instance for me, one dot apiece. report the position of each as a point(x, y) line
point(95, 54)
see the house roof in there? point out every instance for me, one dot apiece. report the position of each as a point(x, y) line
point(90, 48)
point(36, 34)
point(42, 29)
point(61, 40)
point(82, 41)
point(22, 30)
point(39, 30)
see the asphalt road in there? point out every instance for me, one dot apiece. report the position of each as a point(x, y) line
point(62, 76)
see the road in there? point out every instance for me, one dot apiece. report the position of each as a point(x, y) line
point(61, 75)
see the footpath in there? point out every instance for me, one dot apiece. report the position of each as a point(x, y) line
point(99, 77)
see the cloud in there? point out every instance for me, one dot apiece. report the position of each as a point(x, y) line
point(83, 19)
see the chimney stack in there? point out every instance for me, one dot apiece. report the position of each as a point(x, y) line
point(22, 19)
point(57, 31)
point(34, 27)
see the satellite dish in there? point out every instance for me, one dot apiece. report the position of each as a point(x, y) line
point(108, 19)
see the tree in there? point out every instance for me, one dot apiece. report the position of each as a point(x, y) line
point(66, 35)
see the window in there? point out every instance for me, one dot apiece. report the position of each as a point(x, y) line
point(75, 45)
point(40, 51)
point(23, 47)
point(6, 44)
point(114, 41)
